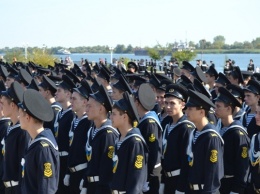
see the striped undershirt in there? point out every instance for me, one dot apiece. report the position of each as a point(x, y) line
point(249, 118)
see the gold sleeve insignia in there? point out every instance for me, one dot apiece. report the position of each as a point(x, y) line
point(214, 135)
point(135, 124)
point(152, 138)
point(139, 161)
point(190, 126)
point(47, 170)
point(109, 131)
point(151, 121)
point(44, 144)
point(214, 156)
point(244, 152)
point(111, 150)
point(137, 139)
point(241, 133)
point(212, 122)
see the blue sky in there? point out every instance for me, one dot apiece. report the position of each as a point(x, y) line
point(71, 23)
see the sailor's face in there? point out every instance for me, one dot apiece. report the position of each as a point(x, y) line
point(173, 106)
point(220, 110)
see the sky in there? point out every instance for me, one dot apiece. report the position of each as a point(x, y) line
point(72, 23)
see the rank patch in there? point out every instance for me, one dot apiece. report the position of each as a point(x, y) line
point(244, 152)
point(110, 151)
point(152, 138)
point(214, 156)
point(190, 126)
point(47, 170)
point(139, 162)
point(151, 121)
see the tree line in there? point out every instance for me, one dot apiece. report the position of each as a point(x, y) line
point(217, 44)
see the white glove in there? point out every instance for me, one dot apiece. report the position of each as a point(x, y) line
point(81, 184)
point(83, 191)
point(146, 187)
point(66, 180)
point(161, 189)
point(179, 192)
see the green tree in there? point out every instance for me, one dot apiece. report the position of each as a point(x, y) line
point(256, 43)
point(184, 55)
point(11, 54)
point(120, 48)
point(219, 42)
point(41, 57)
point(154, 53)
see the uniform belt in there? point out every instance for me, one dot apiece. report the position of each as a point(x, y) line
point(118, 192)
point(63, 153)
point(92, 179)
point(228, 176)
point(196, 187)
point(157, 165)
point(11, 183)
point(78, 167)
point(173, 173)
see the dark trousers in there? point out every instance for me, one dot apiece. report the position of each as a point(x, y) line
point(62, 189)
point(154, 181)
point(94, 188)
point(250, 189)
point(2, 187)
point(170, 184)
point(226, 186)
point(75, 178)
point(13, 190)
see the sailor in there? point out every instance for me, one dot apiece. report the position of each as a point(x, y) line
point(77, 162)
point(130, 156)
point(62, 126)
point(15, 141)
point(221, 81)
point(151, 130)
point(175, 140)
point(104, 78)
point(252, 91)
point(186, 69)
point(238, 93)
point(236, 77)
point(40, 167)
point(236, 144)
point(5, 122)
point(24, 78)
point(100, 144)
point(10, 78)
point(254, 156)
point(119, 88)
point(47, 89)
point(205, 148)
point(211, 75)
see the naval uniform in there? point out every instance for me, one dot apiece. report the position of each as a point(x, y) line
point(252, 128)
point(41, 165)
point(130, 164)
point(99, 152)
point(175, 164)
point(14, 145)
point(61, 128)
point(56, 107)
point(236, 160)
point(254, 156)
point(77, 162)
point(151, 130)
point(205, 156)
point(239, 115)
point(4, 124)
